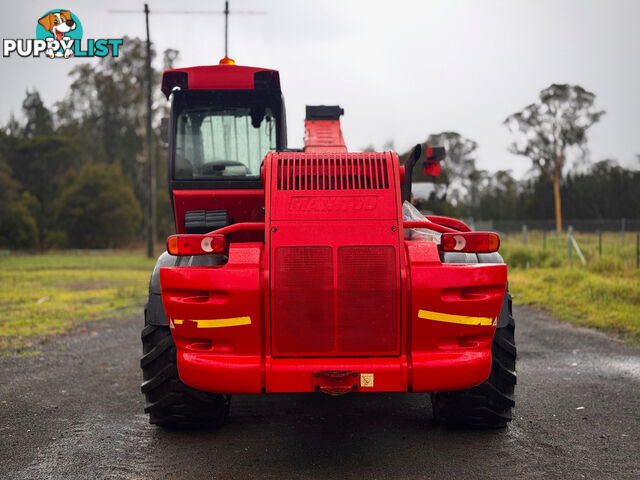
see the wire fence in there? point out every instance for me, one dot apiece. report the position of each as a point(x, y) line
point(602, 244)
point(622, 225)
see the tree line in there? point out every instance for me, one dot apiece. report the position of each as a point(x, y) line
point(552, 134)
point(595, 191)
point(71, 176)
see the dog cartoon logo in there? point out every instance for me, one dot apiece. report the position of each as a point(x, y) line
point(59, 35)
point(64, 27)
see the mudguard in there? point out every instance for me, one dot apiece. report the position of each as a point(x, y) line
point(155, 310)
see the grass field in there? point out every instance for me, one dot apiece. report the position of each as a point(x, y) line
point(42, 295)
point(604, 293)
point(46, 294)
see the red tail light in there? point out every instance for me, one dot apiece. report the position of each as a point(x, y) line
point(472, 242)
point(195, 244)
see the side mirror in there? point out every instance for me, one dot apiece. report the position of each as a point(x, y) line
point(434, 156)
point(164, 130)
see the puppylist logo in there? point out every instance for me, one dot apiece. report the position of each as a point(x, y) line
point(59, 35)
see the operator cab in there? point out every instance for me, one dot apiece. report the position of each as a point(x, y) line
point(224, 119)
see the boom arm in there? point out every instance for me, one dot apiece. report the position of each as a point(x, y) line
point(322, 131)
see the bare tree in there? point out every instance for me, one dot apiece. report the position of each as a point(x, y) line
point(546, 130)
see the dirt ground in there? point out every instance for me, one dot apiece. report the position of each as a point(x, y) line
point(76, 411)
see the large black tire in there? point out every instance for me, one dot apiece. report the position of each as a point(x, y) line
point(488, 405)
point(169, 402)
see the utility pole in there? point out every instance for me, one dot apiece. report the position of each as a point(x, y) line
point(151, 163)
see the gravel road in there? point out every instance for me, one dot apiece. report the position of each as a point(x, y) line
point(76, 411)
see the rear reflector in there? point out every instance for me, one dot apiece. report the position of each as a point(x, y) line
point(195, 244)
point(471, 242)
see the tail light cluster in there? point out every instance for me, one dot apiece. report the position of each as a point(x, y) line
point(470, 242)
point(191, 244)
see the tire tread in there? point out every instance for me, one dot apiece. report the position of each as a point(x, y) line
point(169, 402)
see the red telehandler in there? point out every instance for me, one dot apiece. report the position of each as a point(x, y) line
point(294, 270)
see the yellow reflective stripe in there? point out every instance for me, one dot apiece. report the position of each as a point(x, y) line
point(451, 318)
point(219, 322)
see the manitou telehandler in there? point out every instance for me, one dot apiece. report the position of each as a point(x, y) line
point(295, 271)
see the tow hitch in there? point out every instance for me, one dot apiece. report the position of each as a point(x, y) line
point(335, 382)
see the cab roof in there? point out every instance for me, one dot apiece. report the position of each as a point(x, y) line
point(220, 77)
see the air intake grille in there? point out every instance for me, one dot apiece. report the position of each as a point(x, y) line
point(367, 299)
point(351, 171)
point(303, 299)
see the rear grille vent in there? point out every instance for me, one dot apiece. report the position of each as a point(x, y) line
point(303, 299)
point(204, 221)
point(351, 171)
point(367, 299)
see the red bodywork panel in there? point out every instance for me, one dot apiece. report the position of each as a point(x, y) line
point(213, 357)
point(332, 298)
point(334, 242)
point(241, 205)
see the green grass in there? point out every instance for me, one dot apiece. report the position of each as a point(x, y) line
point(604, 293)
point(47, 294)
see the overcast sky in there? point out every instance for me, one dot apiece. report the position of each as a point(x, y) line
point(401, 70)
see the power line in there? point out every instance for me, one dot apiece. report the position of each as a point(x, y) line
point(195, 12)
point(224, 12)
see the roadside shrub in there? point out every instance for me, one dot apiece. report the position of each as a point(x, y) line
point(523, 257)
point(97, 208)
point(56, 239)
point(18, 228)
